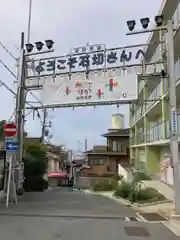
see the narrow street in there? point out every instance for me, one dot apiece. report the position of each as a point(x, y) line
point(59, 214)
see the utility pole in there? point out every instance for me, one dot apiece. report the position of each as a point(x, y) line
point(20, 108)
point(21, 97)
point(29, 21)
point(43, 124)
point(173, 115)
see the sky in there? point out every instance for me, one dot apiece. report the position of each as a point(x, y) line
point(70, 24)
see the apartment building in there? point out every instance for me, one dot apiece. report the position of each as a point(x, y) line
point(149, 116)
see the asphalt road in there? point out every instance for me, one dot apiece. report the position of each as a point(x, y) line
point(59, 214)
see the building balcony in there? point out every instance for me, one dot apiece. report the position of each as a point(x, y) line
point(140, 138)
point(153, 99)
point(132, 140)
point(120, 151)
point(155, 133)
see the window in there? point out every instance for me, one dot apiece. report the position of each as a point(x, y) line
point(175, 18)
point(114, 146)
point(119, 147)
point(99, 161)
point(142, 166)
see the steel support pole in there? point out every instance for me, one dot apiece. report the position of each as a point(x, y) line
point(20, 109)
point(173, 116)
point(43, 125)
point(29, 21)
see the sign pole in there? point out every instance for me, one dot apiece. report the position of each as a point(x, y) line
point(11, 147)
point(9, 181)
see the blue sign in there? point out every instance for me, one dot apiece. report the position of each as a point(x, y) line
point(174, 123)
point(11, 146)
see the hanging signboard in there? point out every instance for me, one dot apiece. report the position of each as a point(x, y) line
point(88, 57)
point(174, 126)
point(94, 90)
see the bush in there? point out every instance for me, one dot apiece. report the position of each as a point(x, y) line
point(140, 176)
point(124, 190)
point(35, 184)
point(149, 194)
point(118, 178)
point(105, 185)
point(107, 175)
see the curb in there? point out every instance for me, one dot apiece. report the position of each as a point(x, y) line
point(126, 202)
point(173, 225)
point(2, 195)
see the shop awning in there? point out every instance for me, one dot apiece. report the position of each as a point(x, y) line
point(57, 174)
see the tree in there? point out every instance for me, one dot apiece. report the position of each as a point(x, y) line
point(35, 165)
point(2, 122)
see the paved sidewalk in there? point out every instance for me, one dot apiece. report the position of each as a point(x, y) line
point(164, 209)
point(155, 207)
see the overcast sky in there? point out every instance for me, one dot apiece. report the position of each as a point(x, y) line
point(69, 23)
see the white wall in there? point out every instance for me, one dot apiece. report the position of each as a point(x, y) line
point(53, 166)
point(127, 175)
point(166, 173)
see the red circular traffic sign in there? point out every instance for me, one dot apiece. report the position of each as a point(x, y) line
point(10, 129)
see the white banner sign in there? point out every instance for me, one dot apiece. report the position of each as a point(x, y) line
point(97, 90)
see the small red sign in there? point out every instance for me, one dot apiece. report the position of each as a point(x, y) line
point(10, 130)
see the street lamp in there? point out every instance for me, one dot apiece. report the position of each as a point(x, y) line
point(131, 24)
point(49, 44)
point(169, 28)
point(159, 20)
point(144, 22)
point(29, 47)
point(39, 46)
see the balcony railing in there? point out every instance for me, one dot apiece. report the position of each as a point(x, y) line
point(140, 138)
point(155, 132)
point(123, 149)
point(156, 94)
point(153, 97)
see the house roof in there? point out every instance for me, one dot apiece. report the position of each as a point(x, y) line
point(118, 133)
point(33, 139)
point(52, 156)
point(97, 150)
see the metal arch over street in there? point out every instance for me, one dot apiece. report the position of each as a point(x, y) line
point(86, 60)
point(58, 76)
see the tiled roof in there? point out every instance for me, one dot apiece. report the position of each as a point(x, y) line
point(118, 133)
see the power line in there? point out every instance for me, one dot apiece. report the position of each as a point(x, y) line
point(10, 90)
point(8, 33)
point(6, 49)
point(7, 68)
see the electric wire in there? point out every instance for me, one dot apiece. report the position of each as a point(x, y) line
point(11, 72)
point(7, 68)
point(10, 119)
point(10, 36)
point(4, 47)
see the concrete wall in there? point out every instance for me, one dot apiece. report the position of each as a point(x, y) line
point(127, 174)
point(85, 182)
point(153, 160)
point(53, 165)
